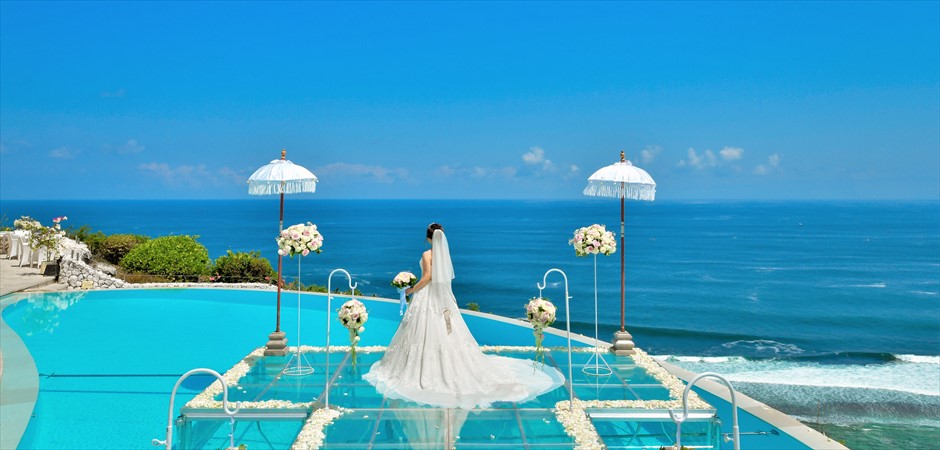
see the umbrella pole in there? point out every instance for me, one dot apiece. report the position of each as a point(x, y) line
point(280, 227)
point(622, 268)
point(277, 341)
point(623, 341)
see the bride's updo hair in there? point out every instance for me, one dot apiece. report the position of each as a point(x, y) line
point(432, 227)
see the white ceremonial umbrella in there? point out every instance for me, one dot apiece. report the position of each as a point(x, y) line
point(281, 177)
point(622, 180)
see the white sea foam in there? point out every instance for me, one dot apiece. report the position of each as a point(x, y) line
point(695, 359)
point(764, 347)
point(920, 359)
point(922, 292)
point(922, 377)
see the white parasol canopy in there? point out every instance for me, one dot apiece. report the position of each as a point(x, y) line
point(281, 177)
point(622, 180)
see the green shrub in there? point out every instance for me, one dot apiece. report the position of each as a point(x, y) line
point(242, 267)
point(292, 286)
point(115, 247)
point(84, 234)
point(473, 306)
point(178, 258)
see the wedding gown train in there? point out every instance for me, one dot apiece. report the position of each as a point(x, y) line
point(433, 358)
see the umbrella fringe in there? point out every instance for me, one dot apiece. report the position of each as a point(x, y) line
point(281, 187)
point(617, 190)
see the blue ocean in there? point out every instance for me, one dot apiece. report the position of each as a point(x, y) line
point(828, 311)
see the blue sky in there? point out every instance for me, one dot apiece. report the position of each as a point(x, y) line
point(737, 100)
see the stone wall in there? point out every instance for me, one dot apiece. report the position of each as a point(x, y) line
point(78, 275)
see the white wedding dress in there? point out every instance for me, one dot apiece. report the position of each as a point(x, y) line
point(434, 360)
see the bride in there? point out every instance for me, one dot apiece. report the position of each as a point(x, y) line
point(434, 360)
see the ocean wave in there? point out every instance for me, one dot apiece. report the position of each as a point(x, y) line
point(693, 359)
point(918, 359)
point(881, 285)
point(899, 375)
point(922, 292)
point(763, 347)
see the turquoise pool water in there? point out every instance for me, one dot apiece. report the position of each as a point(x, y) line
point(108, 360)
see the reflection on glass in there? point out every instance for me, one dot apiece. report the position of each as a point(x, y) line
point(42, 312)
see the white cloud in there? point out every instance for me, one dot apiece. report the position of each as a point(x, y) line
point(773, 161)
point(573, 171)
point(536, 157)
point(731, 153)
point(378, 174)
point(648, 154)
point(193, 176)
point(697, 161)
point(493, 172)
point(132, 146)
point(446, 171)
point(63, 153)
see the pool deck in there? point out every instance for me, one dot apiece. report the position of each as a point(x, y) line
point(19, 380)
point(15, 279)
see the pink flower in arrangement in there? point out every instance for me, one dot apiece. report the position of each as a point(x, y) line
point(305, 252)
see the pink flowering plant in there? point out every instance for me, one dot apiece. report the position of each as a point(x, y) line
point(353, 315)
point(593, 240)
point(541, 313)
point(299, 239)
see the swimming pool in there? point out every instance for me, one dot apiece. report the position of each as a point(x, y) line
point(107, 361)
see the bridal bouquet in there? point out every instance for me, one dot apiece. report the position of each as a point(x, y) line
point(403, 281)
point(353, 314)
point(541, 313)
point(593, 240)
point(299, 239)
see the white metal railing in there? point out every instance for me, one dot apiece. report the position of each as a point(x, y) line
point(168, 442)
point(685, 409)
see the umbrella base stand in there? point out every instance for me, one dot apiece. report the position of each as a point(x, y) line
point(277, 344)
point(623, 344)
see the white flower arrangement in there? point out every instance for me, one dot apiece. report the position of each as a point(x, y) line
point(206, 398)
point(541, 313)
point(339, 348)
point(354, 315)
point(675, 386)
point(26, 223)
point(577, 424)
point(299, 239)
point(593, 240)
point(311, 435)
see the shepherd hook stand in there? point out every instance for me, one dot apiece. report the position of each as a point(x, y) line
point(567, 323)
point(685, 410)
point(168, 443)
point(301, 366)
point(329, 298)
point(598, 370)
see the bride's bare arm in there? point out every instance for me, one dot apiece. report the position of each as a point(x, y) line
point(425, 274)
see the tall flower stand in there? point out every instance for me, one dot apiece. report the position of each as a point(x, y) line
point(298, 365)
point(596, 365)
